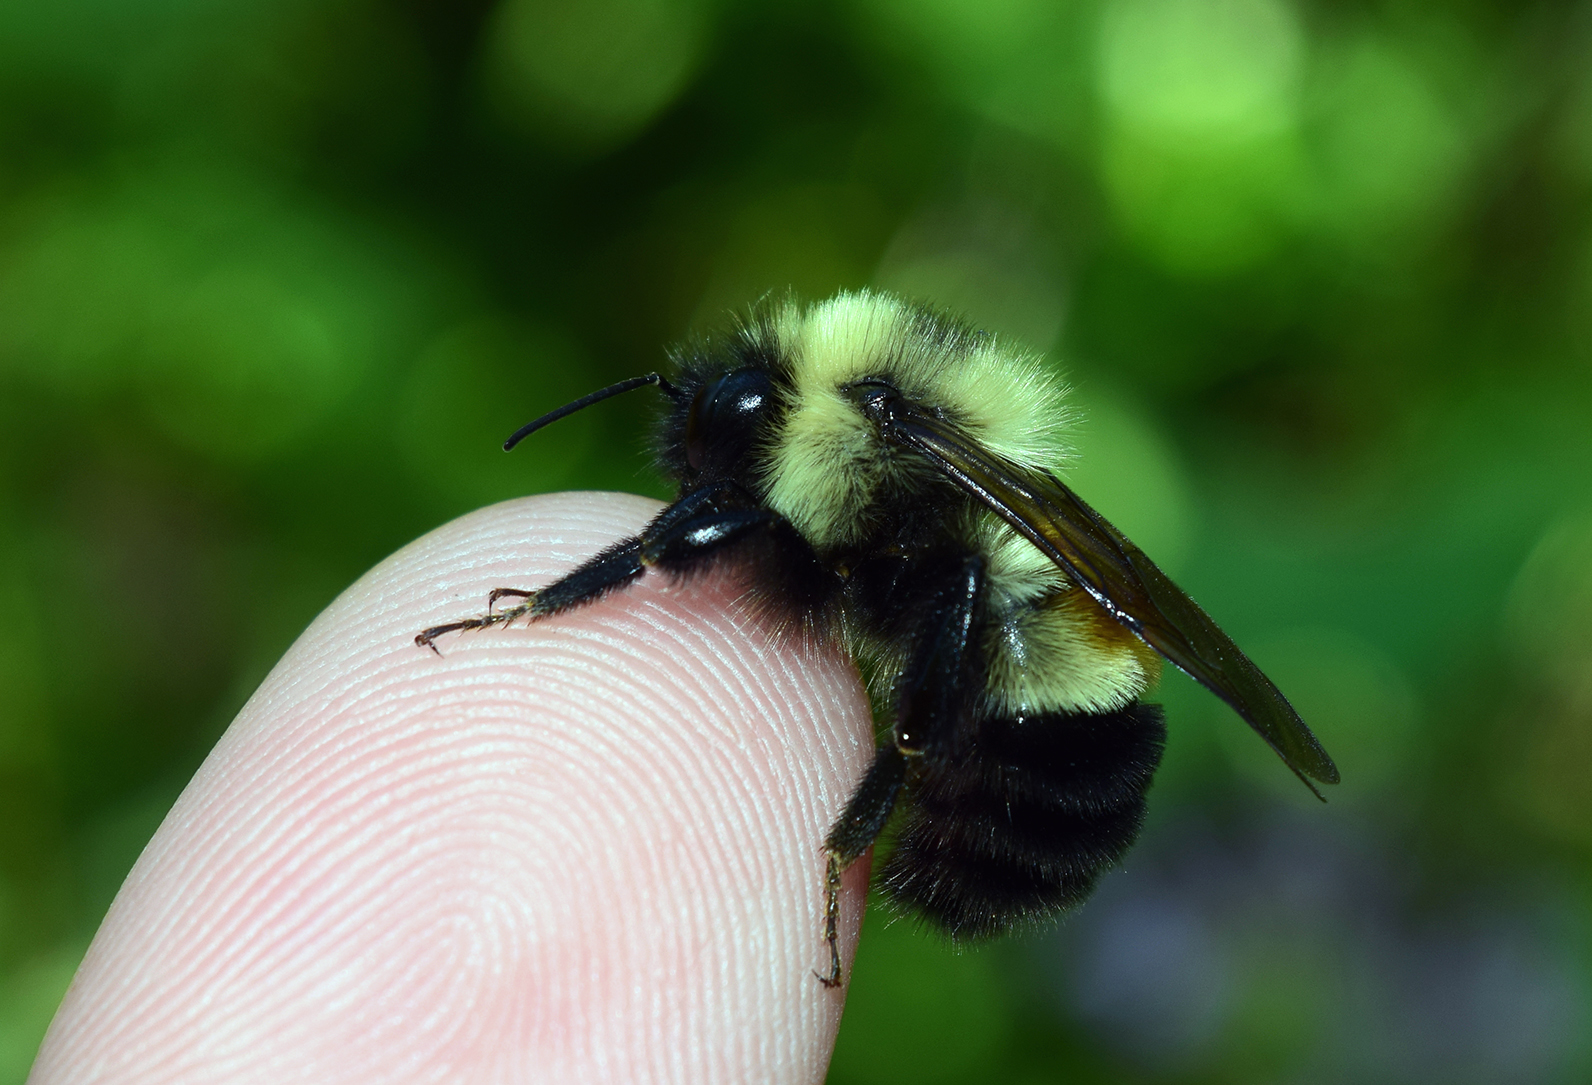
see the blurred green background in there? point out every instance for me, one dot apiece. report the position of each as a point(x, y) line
point(277, 275)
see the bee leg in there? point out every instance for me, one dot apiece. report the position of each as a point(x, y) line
point(675, 535)
point(680, 537)
point(605, 571)
point(937, 693)
point(853, 833)
point(609, 569)
point(504, 593)
point(935, 699)
point(427, 638)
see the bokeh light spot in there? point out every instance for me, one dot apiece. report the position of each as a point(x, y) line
point(1548, 618)
point(236, 318)
point(1021, 63)
point(593, 72)
point(1202, 107)
point(1222, 69)
point(1389, 151)
point(1126, 468)
point(1548, 634)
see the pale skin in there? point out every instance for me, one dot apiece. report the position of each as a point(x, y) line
point(588, 850)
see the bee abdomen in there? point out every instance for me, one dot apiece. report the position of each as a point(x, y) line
point(1023, 824)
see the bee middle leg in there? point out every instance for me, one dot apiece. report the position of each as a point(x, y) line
point(937, 695)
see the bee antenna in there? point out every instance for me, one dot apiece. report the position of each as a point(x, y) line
point(586, 401)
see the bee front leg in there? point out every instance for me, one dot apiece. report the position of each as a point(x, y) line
point(673, 534)
point(612, 568)
point(681, 536)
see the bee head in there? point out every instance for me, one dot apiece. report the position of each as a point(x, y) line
point(725, 418)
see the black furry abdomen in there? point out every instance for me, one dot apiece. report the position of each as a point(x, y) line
point(1023, 824)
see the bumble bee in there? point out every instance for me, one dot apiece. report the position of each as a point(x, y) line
point(886, 474)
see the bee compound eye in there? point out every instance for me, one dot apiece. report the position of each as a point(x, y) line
point(724, 417)
point(873, 397)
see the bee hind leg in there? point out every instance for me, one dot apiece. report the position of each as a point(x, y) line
point(934, 698)
point(853, 833)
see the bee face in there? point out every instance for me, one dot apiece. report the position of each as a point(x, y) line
point(882, 462)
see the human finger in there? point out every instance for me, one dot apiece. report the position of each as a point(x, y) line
point(587, 849)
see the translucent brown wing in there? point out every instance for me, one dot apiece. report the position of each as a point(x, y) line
point(1121, 579)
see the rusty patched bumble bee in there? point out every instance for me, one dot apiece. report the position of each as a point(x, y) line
point(883, 473)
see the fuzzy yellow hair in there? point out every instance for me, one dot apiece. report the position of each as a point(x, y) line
point(827, 461)
point(1051, 648)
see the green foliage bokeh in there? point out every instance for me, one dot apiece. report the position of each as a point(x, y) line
point(276, 277)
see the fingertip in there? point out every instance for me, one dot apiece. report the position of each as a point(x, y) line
point(588, 848)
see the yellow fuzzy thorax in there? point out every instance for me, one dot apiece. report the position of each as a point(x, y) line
point(1050, 647)
point(827, 461)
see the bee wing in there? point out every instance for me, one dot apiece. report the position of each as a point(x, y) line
point(1121, 579)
